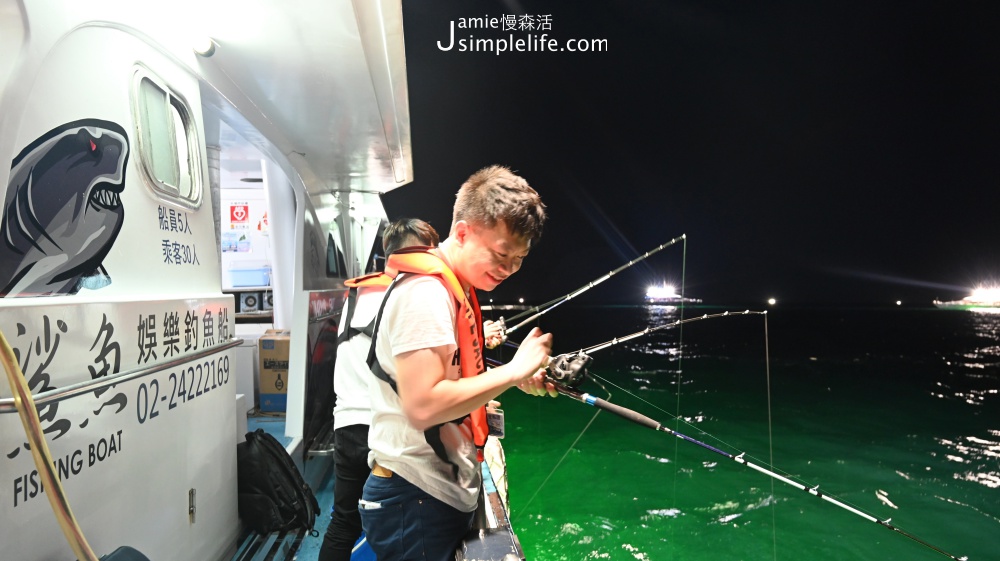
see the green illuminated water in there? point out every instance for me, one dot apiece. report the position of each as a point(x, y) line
point(895, 412)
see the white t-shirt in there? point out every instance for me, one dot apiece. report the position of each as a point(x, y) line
point(350, 372)
point(420, 314)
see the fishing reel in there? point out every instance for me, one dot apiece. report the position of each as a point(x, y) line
point(497, 339)
point(569, 369)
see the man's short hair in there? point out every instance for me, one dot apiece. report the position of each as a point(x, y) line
point(406, 232)
point(494, 194)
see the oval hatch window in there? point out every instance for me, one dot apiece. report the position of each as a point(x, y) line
point(167, 142)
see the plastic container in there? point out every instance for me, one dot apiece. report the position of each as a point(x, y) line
point(250, 277)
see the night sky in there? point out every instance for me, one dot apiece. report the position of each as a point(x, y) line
point(827, 152)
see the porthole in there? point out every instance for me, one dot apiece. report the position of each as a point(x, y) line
point(167, 142)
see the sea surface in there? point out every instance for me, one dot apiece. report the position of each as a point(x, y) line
point(894, 411)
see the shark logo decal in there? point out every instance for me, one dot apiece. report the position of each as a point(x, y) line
point(63, 210)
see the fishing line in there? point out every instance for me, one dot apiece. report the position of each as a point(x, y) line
point(679, 384)
point(556, 467)
point(514, 518)
point(770, 441)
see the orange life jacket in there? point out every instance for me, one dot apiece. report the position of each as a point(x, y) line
point(468, 321)
point(348, 332)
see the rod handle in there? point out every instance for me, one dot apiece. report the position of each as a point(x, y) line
point(622, 412)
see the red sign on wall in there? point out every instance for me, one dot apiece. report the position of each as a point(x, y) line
point(239, 213)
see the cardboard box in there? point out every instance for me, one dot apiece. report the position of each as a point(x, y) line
point(273, 351)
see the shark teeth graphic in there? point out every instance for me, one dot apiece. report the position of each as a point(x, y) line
point(105, 198)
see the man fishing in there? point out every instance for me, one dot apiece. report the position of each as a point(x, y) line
point(428, 408)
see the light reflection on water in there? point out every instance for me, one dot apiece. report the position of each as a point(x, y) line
point(975, 368)
point(663, 344)
point(979, 454)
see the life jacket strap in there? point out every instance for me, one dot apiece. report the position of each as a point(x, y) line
point(373, 363)
point(372, 279)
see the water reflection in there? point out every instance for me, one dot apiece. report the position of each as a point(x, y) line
point(663, 343)
point(652, 360)
point(972, 357)
point(974, 364)
point(986, 329)
point(980, 455)
point(658, 314)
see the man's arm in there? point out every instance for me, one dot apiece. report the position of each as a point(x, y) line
point(430, 399)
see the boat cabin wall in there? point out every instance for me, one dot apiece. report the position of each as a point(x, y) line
point(113, 263)
point(110, 269)
point(107, 191)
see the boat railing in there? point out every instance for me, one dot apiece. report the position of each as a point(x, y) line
point(67, 392)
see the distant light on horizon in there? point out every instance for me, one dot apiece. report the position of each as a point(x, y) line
point(985, 294)
point(771, 301)
point(899, 302)
point(520, 300)
point(661, 291)
point(985, 298)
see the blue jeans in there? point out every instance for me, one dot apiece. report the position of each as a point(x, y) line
point(409, 524)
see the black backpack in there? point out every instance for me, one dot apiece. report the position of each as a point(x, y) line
point(272, 494)
point(125, 553)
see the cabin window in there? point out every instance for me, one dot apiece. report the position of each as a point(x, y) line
point(335, 265)
point(167, 142)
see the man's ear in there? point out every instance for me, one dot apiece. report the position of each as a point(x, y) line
point(462, 230)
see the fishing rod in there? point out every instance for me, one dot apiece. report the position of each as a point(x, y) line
point(648, 330)
point(546, 307)
point(599, 347)
point(569, 370)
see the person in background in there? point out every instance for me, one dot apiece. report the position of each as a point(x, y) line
point(428, 406)
point(352, 412)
